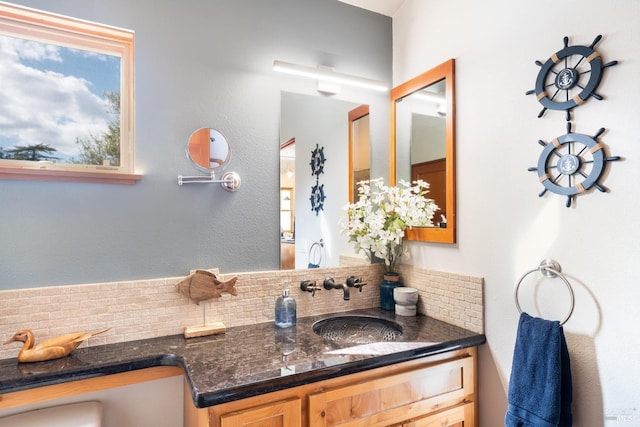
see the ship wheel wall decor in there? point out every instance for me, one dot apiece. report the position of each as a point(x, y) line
point(569, 77)
point(317, 198)
point(571, 164)
point(317, 161)
point(317, 168)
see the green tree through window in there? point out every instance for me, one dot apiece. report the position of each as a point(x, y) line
point(33, 152)
point(96, 149)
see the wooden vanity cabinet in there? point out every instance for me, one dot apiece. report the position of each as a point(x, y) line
point(432, 391)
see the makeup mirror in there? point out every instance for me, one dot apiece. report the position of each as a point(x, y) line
point(208, 149)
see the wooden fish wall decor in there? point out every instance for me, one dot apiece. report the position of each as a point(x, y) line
point(203, 285)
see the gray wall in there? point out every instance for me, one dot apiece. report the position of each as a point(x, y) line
point(198, 63)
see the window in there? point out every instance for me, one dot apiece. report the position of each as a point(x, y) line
point(286, 210)
point(66, 99)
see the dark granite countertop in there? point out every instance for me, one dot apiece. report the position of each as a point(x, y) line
point(246, 360)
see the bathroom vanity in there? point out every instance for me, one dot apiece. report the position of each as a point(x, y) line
point(293, 375)
point(437, 390)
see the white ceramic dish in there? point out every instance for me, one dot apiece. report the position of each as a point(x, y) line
point(405, 296)
point(406, 310)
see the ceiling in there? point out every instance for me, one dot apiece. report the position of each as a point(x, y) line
point(383, 7)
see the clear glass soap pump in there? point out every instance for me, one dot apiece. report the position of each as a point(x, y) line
point(285, 309)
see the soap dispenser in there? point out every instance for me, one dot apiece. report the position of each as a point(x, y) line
point(285, 309)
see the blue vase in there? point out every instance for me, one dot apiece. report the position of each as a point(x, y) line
point(390, 282)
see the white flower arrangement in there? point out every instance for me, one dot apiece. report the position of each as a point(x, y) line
point(378, 220)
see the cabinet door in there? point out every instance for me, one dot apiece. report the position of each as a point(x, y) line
point(286, 413)
point(393, 399)
point(460, 416)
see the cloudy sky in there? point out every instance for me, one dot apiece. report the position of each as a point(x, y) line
point(53, 95)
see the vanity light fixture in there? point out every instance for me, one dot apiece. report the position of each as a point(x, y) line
point(326, 74)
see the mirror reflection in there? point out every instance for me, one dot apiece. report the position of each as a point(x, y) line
point(208, 149)
point(423, 142)
point(359, 149)
point(308, 240)
point(421, 138)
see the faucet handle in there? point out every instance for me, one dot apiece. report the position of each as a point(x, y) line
point(310, 286)
point(356, 282)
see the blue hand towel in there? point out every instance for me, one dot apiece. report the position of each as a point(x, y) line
point(540, 390)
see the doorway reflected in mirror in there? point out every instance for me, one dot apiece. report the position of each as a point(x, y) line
point(359, 149)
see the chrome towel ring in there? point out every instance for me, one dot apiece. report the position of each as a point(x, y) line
point(316, 254)
point(552, 269)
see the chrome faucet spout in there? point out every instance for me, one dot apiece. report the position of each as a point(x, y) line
point(329, 284)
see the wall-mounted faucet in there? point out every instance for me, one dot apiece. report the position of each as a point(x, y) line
point(356, 282)
point(310, 286)
point(329, 283)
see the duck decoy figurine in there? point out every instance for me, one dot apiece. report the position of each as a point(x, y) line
point(52, 348)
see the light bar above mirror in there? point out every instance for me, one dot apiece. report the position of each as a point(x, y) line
point(327, 74)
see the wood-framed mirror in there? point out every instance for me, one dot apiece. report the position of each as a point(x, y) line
point(423, 142)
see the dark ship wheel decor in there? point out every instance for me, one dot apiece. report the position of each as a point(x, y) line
point(317, 198)
point(571, 164)
point(317, 168)
point(317, 161)
point(569, 77)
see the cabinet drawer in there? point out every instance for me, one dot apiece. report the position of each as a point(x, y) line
point(395, 398)
point(460, 416)
point(278, 414)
